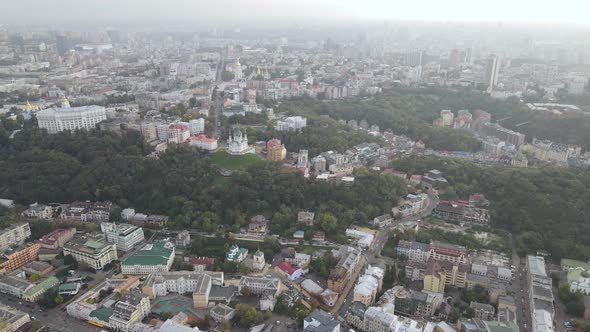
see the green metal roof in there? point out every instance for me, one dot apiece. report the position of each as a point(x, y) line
point(103, 314)
point(68, 287)
point(94, 244)
point(575, 263)
point(43, 285)
point(156, 255)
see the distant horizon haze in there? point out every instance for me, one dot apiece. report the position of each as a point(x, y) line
point(228, 12)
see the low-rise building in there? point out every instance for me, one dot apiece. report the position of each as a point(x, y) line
point(87, 211)
point(482, 311)
point(203, 142)
point(57, 238)
point(461, 212)
point(92, 250)
point(289, 270)
point(579, 280)
point(305, 217)
point(200, 263)
point(448, 252)
point(257, 285)
point(40, 211)
point(180, 282)
point(151, 258)
point(33, 294)
point(155, 220)
point(13, 319)
point(14, 286)
point(236, 254)
point(36, 267)
point(69, 289)
point(222, 312)
point(319, 320)
point(258, 225)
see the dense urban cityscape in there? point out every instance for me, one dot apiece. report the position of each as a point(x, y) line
point(375, 176)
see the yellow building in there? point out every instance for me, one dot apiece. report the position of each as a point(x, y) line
point(441, 274)
point(275, 151)
point(435, 282)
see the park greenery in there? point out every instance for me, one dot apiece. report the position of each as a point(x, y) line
point(248, 316)
point(544, 208)
point(97, 165)
point(573, 302)
point(410, 111)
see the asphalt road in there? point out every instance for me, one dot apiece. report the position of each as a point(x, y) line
point(55, 319)
point(519, 290)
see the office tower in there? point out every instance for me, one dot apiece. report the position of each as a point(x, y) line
point(492, 69)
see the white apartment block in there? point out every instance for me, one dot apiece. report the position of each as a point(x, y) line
point(133, 307)
point(14, 235)
point(66, 118)
point(196, 126)
point(124, 236)
point(291, 123)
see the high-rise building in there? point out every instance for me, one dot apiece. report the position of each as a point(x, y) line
point(413, 59)
point(468, 60)
point(63, 44)
point(492, 70)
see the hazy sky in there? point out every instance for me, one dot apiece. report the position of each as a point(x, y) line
point(227, 11)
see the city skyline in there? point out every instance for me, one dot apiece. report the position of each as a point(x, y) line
point(30, 12)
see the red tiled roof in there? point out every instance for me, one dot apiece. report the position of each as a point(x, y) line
point(50, 238)
point(202, 260)
point(201, 138)
point(287, 267)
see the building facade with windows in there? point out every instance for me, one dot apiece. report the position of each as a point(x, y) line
point(92, 250)
point(70, 118)
point(152, 258)
point(124, 236)
point(14, 235)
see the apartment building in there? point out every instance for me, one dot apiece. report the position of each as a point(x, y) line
point(124, 236)
point(14, 235)
point(132, 307)
point(14, 259)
